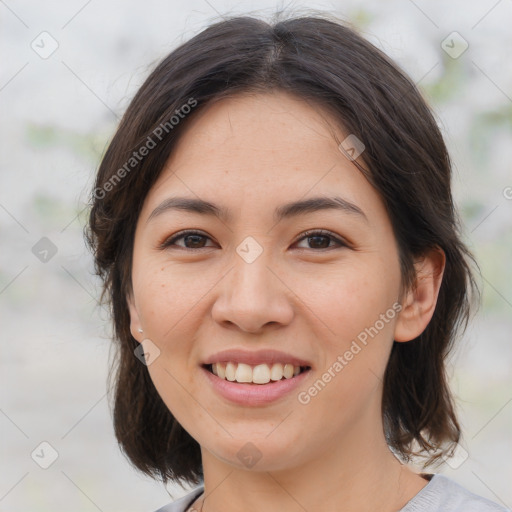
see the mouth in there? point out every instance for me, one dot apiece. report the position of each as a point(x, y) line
point(260, 374)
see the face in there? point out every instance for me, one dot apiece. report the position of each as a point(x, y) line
point(317, 284)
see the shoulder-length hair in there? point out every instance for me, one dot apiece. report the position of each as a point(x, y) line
point(326, 62)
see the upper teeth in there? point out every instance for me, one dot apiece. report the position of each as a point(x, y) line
point(259, 374)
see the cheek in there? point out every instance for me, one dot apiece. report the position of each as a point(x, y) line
point(166, 300)
point(165, 296)
point(355, 318)
point(349, 299)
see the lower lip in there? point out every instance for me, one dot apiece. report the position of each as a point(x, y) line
point(254, 394)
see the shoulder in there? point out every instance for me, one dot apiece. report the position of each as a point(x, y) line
point(443, 494)
point(183, 503)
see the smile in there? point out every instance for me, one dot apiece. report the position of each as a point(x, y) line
point(255, 374)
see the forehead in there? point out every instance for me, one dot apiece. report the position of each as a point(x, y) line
point(259, 125)
point(257, 149)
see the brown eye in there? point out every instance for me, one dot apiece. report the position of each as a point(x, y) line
point(191, 240)
point(320, 239)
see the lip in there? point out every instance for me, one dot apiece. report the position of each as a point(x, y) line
point(254, 357)
point(249, 394)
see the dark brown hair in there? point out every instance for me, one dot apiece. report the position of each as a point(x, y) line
point(324, 61)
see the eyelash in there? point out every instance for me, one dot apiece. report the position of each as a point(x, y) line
point(307, 234)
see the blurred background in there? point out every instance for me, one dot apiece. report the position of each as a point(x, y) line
point(67, 73)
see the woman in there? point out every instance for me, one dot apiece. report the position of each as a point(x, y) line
point(274, 225)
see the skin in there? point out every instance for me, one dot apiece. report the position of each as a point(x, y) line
point(251, 153)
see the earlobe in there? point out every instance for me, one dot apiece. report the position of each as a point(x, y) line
point(420, 301)
point(135, 324)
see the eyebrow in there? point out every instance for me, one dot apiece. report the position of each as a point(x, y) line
point(284, 211)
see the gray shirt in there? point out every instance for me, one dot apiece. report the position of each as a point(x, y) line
point(441, 494)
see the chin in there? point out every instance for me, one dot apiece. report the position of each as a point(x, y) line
point(259, 454)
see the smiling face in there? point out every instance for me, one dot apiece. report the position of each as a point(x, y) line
point(249, 279)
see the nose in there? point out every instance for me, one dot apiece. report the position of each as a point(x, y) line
point(253, 295)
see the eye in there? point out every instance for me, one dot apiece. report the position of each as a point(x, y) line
point(320, 238)
point(193, 239)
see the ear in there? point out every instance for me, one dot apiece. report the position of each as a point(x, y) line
point(135, 323)
point(420, 301)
